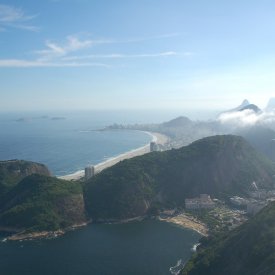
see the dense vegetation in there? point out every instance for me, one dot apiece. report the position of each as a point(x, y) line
point(247, 250)
point(12, 171)
point(219, 166)
point(42, 203)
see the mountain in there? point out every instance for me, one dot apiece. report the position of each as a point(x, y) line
point(248, 250)
point(238, 108)
point(12, 171)
point(181, 121)
point(42, 203)
point(260, 137)
point(252, 107)
point(218, 165)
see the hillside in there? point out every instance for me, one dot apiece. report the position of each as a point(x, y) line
point(42, 203)
point(12, 171)
point(219, 166)
point(260, 137)
point(247, 250)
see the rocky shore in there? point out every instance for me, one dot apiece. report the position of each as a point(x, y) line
point(29, 236)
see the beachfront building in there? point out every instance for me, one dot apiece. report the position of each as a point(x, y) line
point(202, 202)
point(89, 172)
point(153, 146)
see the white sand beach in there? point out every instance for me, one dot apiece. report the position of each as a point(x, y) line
point(156, 137)
point(188, 221)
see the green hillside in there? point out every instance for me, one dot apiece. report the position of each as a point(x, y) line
point(247, 250)
point(219, 166)
point(42, 203)
point(12, 171)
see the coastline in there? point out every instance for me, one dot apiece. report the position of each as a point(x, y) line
point(182, 220)
point(23, 236)
point(156, 137)
point(188, 222)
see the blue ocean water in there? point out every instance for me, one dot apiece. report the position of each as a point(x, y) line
point(68, 142)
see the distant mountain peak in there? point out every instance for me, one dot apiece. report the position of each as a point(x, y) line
point(244, 103)
point(252, 107)
point(239, 108)
point(178, 122)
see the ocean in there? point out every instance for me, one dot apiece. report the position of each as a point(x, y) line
point(67, 142)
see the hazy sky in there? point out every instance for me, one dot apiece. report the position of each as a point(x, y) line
point(160, 54)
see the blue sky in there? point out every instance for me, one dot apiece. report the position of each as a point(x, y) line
point(138, 54)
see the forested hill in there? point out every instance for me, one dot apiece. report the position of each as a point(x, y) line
point(218, 165)
point(12, 171)
point(247, 250)
point(32, 200)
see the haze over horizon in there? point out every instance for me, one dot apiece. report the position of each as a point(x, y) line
point(135, 54)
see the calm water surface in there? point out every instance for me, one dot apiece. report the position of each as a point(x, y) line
point(148, 247)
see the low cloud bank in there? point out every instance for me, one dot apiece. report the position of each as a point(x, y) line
point(246, 118)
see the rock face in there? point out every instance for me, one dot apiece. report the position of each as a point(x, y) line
point(13, 171)
point(21, 169)
point(219, 166)
point(249, 249)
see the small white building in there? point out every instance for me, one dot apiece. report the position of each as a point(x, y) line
point(89, 172)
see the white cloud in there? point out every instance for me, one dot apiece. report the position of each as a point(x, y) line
point(54, 50)
point(11, 17)
point(246, 118)
point(52, 55)
point(21, 63)
point(56, 54)
point(124, 56)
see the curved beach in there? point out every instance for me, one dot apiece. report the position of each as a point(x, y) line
point(156, 137)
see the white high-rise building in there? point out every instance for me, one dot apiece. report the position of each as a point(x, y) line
point(89, 172)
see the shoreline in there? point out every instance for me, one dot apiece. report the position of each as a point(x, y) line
point(156, 137)
point(23, 236)
point(189, 222)
point(182, 220)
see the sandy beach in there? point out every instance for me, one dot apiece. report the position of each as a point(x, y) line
point(186, 221)
point(156, 137)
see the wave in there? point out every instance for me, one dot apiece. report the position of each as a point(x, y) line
point(175, 270)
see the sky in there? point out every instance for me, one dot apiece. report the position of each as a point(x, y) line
point(138, 54)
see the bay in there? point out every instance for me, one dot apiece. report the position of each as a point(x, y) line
point(148, 247)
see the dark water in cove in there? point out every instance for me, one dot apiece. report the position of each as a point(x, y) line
point(148, 247)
